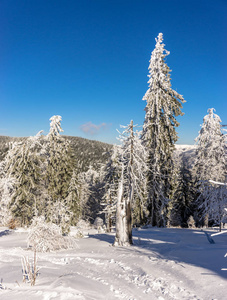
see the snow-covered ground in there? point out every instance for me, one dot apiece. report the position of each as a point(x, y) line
point(166, 263)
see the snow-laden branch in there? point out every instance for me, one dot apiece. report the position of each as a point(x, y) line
point(217, 182)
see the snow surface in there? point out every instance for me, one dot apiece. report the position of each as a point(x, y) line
point(164, 263)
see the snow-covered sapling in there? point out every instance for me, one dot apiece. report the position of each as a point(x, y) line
point(29, 270)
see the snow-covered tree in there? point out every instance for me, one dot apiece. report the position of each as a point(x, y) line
point(159, 134)
point(59, 165)
point(182, 196)
point(61, 215)
point(133, 170)
point(73, 198)
point(7, 187)
point(23, 164)
point(93, 193)
point(210, 164)
point(110, 174)
point(55, 126)
point(214, 203)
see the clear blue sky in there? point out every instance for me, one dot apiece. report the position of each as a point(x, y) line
point(87, 60)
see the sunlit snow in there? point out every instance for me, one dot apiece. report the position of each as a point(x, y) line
point(163, 263)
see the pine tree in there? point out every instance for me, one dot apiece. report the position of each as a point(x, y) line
point(24, 165)
point(93, 193)
point(159, 134)
point(7, 187)
point(214, 203)
point(73, 198)
point(83, 193)
point(110, 174)
point(210, 164)
point(183, 196)
point(59, 166)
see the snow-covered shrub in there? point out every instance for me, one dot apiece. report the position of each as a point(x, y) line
point(76, 232)
point(13, 223)
point(46, 237)
point(82, 224)
point(98, 223)
point(191, 222)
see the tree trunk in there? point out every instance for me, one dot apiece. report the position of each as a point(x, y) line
point(124, 213)
point(123, 218)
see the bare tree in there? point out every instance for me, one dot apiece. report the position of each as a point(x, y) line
point(133, 172)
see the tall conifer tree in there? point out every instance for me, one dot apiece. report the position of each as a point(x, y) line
point(59, 165)
point(23, 163)
point(183, 196)
point(210, 164)
point(110, 174)
point(159, 134)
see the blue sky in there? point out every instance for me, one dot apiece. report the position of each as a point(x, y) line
point(87, 60)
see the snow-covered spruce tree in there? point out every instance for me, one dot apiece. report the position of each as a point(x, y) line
point(59, 167)
point(210, 164)
point(110, 174)
point(61, 215)
point(93, 192)
point(73, 198)
point(159, 134)
point(83, 193)
point(214, 204)
point(133, 170)
point(7, 186)
point(23, 164)
point(182, 196)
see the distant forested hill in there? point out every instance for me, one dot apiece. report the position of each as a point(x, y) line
point(86, 152)
point(89, 152)
point(94, 153)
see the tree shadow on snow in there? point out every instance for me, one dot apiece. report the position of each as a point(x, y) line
point(5, 232)
point(104, 237)
point(179, 245)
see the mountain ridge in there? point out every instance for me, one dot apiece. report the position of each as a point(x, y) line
point(87, 152)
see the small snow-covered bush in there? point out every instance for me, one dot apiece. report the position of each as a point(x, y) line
point(76, 232)
point(83, 225)
point(191, 222)
point(46, 237)
point(98, 223)
point(13, 223)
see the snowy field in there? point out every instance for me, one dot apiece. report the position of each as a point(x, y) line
point(165, 263)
